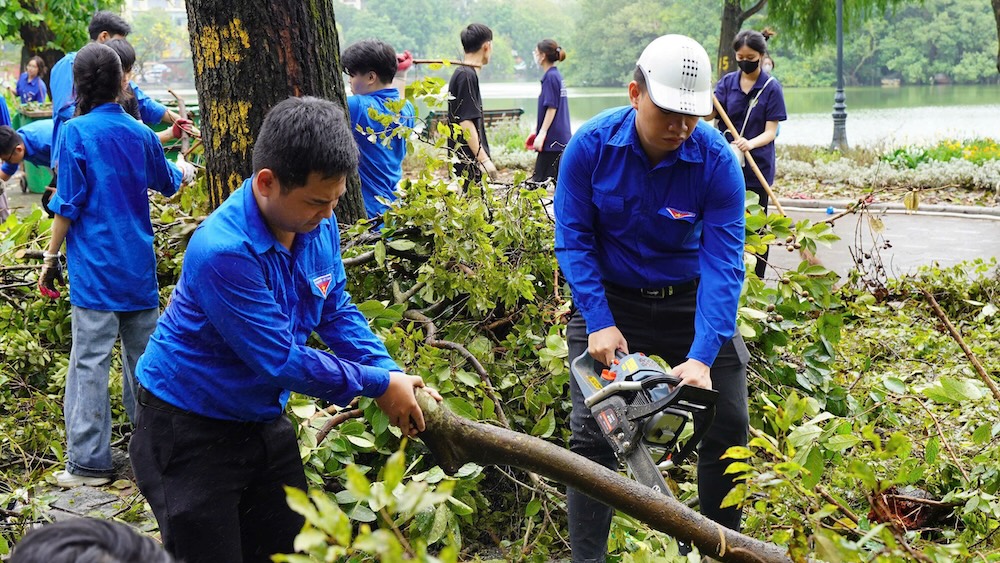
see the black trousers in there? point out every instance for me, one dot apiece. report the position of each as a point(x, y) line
point(664, 327)
point(547, 166)
point(761, 258)
point(216, 487)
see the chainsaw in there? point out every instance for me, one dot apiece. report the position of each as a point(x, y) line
point(642, 410)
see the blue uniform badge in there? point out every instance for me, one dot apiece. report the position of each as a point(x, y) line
point(323, 283)
point(678, 214)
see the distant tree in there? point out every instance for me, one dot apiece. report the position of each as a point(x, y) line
point(155, 36)
point(996, 16)
point(49, 28)
point(248, 56)
point(805, 23)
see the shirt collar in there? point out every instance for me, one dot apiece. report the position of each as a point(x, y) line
point(261, 236)
point(110, 107)
point(628, 136)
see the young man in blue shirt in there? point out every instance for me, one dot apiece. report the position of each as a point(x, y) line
point(212, 449)
point(30, 143)
point(649, 211)
point(371, 64)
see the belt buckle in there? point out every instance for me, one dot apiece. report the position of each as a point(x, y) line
point(658, 293)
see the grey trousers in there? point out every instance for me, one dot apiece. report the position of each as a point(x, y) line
point(87, 404)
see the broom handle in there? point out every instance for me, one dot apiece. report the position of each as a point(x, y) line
point(753, 164)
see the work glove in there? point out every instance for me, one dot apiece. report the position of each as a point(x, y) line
point(51, 273)
point(187, 170)
point(180, 127)
point(404, 61)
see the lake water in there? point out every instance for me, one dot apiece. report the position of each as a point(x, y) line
point(886, 117)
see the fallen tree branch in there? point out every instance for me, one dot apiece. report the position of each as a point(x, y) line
point(455, 441)
point(961, 342)
point(360, 259)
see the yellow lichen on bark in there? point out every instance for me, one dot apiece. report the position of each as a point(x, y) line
point(235, 181)
point(215, 44)
point(229, 121)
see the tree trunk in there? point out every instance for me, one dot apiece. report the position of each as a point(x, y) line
point(996, 14)
point(733, 16)
point(248, 56)
point(34, 41)
point(455, 441)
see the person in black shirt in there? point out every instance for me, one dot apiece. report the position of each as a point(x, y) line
point(465, 108)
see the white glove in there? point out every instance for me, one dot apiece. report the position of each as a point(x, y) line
point(187, 170)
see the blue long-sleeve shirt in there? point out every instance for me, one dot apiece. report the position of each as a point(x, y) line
point(381, 164)
point(231, 344)
point(109, 161)
point(37, 139)
point(622, 221)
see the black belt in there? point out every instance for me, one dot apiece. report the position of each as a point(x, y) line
point(148, 399)
point(655, 292)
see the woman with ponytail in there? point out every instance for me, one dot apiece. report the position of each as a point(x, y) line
point(552, 128)
point(107, 163)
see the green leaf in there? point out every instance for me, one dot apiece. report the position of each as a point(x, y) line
point(461, 407)
point(395, 467)
point(737, 452)
point(544, 427)
point(982, 434)
point(533, 507)
point(380, 253)
point(302, 407)
point(894, 385)
point(360, 441)
point(441, 514)
point(841, 442)
point(298, 501)
point(814, 464)
point(401, 245)
point(362, 513)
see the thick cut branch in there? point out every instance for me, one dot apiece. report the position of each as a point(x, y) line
point(455, 441)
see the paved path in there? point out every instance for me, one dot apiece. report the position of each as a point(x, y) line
point(916, 239)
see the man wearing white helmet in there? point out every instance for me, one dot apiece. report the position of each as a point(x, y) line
point(649, 234)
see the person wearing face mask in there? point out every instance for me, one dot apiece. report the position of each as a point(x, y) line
point(767, 63)
point(755, 104)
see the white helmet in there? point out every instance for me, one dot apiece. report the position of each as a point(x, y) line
point(678, 74)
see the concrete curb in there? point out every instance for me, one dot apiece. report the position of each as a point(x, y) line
point(841, 204)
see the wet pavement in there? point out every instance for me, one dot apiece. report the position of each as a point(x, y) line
point(916, 239)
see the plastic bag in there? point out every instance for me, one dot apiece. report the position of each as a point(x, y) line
point(740, 157)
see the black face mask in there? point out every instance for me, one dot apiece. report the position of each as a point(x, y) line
point(748, 66)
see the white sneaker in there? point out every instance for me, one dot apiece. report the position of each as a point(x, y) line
point(68, 480)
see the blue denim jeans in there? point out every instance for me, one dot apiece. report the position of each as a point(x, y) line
point(664, 327)
point(88, 405)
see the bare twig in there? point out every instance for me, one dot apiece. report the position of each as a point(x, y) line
point(940, 433)
point(337, 419)
point(961, 342)
point(432, 340)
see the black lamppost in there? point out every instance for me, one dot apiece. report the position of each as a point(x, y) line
point(839, 107)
